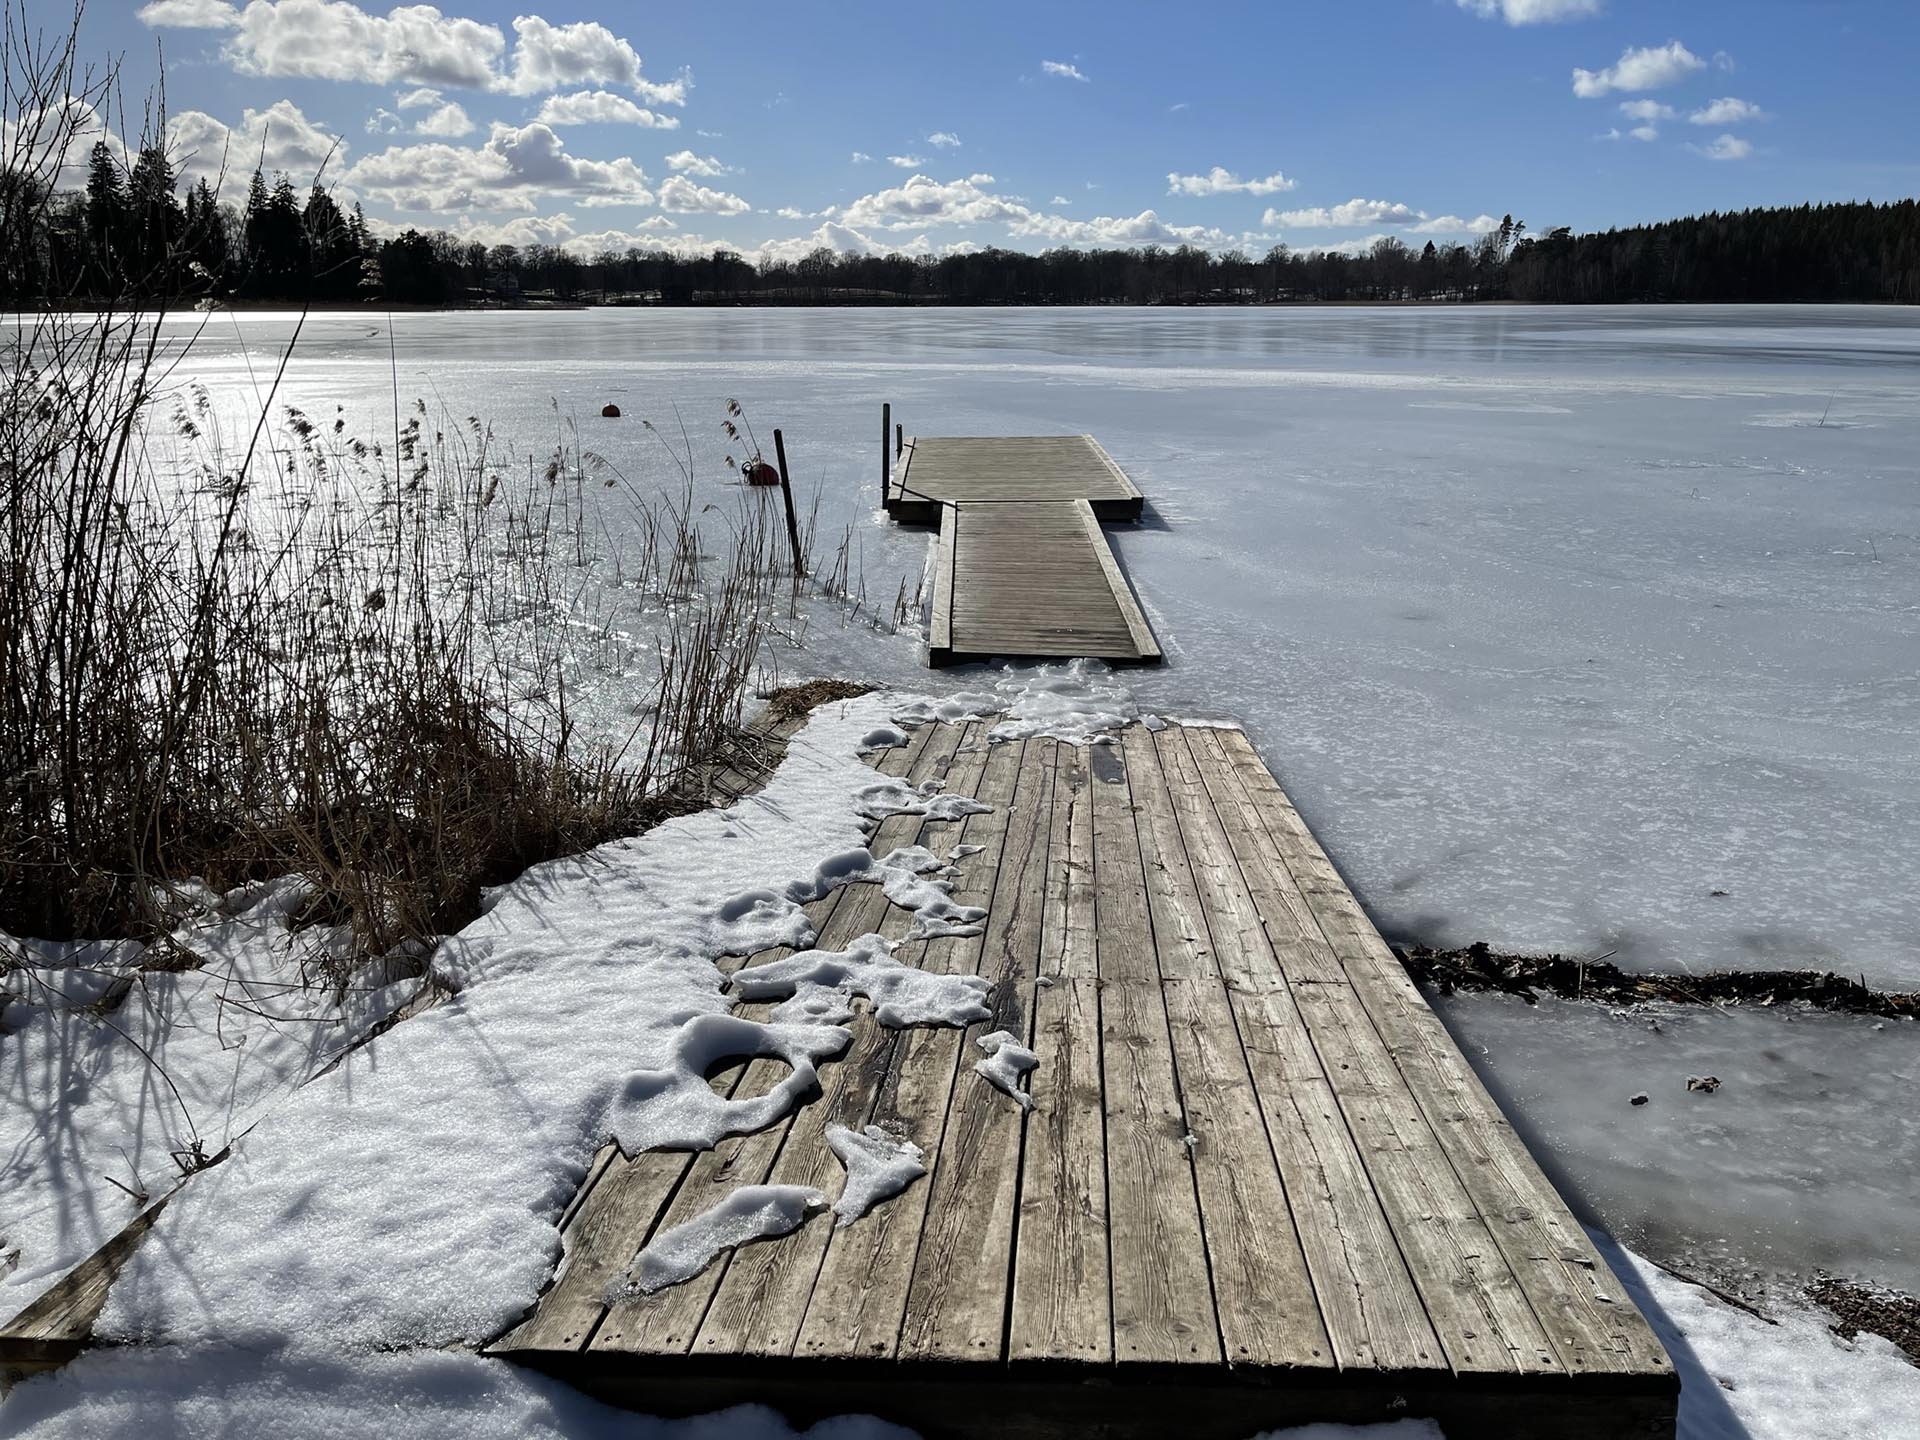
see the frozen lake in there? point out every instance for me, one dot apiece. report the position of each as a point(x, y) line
point(1556, 623)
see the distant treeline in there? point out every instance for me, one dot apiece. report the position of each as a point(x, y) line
point(129, 234)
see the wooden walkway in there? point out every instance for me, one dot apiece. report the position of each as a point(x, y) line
point(1023, 568)
point(1258, 1185)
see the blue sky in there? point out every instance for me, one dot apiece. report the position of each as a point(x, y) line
point(774, 127)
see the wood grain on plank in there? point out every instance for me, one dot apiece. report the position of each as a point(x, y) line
point(1033, 578)
point(1480, 1312)
point(860, 1294)
point(1373, 1312)
point(1263, 1293)
point(957, 1301)
point(1061, 1308)
point(1162, 1295)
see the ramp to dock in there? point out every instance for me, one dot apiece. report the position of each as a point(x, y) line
point(1023, 567)
point(1031, 578)
point(1258, 1184)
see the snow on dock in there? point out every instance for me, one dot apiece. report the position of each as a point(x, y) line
point(1022, 566)
point(1257, 1184)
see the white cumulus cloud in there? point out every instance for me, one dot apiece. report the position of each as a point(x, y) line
point(189, 15)
point(685, 162)
point(333, 40)
point(549, 57)
point(1649, 68)
point(1061, 69)
point(280, 137)
point(1221, 181)
point(601, 107)
point(1727, 110)
point(1532, 12)
point(447, 122)
point(1646, 111)
point(680, 194)
point(907, 162)
point(1352, 214)
point(946, 139)
point(1454, 225)
point(416, 45)
point(1726, 147)
point(517, 167)
point(922, 202)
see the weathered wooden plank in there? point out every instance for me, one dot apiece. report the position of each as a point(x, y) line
point(1568, 1284)
point(957, 1301)
point(1069, 945)
point(1162, 1295)
point(1479, 1309)
point(1061, 1306)
point(1145, 646)
point(52, 1330)
point(1373, 1312)
point(940, 632)
point(1262, 1291)
point(860, 1294)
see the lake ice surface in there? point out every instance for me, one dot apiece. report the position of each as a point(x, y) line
point(1553, 622)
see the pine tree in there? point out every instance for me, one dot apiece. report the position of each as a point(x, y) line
point(106, 222)
point(156, 223)
point(206, 239)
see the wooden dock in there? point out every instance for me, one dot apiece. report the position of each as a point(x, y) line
point(1258, 1185)
point(1022, 567)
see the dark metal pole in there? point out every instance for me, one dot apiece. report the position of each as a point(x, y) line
point(899, 440)
point(886, 461)
point(786, 494)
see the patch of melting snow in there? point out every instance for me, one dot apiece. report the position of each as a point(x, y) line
point(673, 1108)
point(879, 1166)
point(752, 1212)
point(813, 1004)
point(902, 995)
point(896, 797)
point(1007, 1060)
point(1079, 702)
point(882, 737)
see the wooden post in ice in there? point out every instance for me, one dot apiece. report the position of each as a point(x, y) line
point(786, 494)
point(886, 460)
